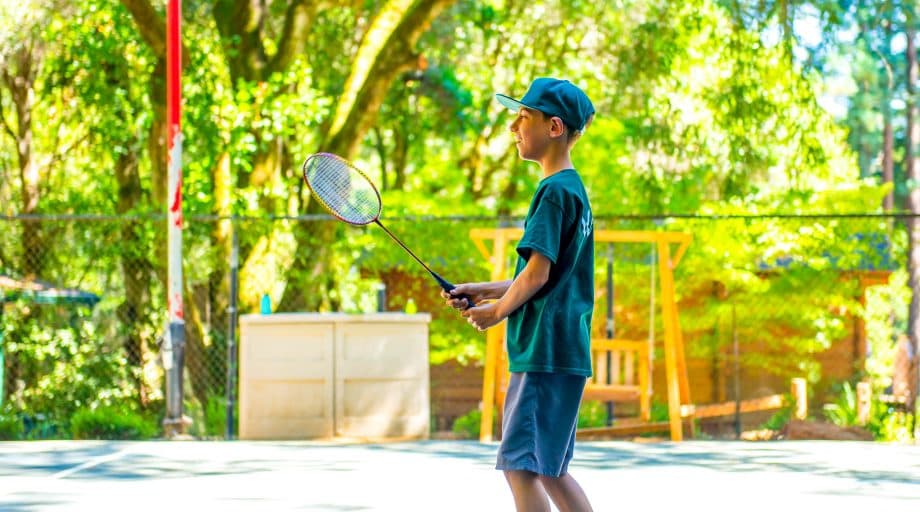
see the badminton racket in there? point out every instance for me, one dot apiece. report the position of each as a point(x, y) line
point(351, 197)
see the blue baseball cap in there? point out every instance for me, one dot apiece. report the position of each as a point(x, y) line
point(556, 98)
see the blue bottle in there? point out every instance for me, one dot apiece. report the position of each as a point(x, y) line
point(266, 305)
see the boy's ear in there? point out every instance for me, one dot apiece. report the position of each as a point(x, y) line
point(558, 127)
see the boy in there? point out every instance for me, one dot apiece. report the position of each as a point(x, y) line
point(548, 304)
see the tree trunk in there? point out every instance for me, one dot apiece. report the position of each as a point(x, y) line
point(888, 159)
point(400, 157)
point(786, 20)
point(913, 201)
point(159, 172)
point(385, 52)
point(218, 298)
point(381, 149)
point(136, 270)
point(887, 129)
point(152, 28)
point(19, 79)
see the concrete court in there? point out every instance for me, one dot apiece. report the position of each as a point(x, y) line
point(708, 476)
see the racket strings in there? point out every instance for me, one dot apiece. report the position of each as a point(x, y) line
point(343, 189)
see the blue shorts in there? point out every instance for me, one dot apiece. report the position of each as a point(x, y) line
point(539, 422)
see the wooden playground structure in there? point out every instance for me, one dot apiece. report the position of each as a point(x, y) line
point(622, 367)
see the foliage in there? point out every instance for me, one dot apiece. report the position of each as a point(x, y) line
point(699, 112)
point(659, 412)
point(111, 423)
point(11, 427)
point(886, 423)
point(886, 315)
point(209, 421)
point(896, 426)
point(592, 414)
point(783, 286)
point(843, 411)
point(69, 366)
point(470, 423)
point(215, 413)
point(779, 419)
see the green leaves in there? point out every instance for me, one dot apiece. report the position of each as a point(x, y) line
point(697, 113)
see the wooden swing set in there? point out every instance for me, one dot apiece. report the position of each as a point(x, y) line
point(630, 382)
point(623, 367)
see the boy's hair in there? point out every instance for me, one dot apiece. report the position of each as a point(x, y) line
point(570, 132)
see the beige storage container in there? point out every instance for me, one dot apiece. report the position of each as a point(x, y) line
point(323, 375)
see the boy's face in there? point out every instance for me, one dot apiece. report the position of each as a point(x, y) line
point(533, 132)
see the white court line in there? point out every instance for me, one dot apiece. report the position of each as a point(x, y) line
point(102, 459)
point(19, 484)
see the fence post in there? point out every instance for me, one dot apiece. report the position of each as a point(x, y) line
point(863, 402)
point(800, 395)
point(231, 328)
point(736, 374)
point(2, 360)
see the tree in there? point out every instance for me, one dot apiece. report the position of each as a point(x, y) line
point(912, 165)
point(386, 50)
point(100, 58)
point(22, 54)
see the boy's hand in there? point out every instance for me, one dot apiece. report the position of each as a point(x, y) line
point(473, 290)
point(482, 317)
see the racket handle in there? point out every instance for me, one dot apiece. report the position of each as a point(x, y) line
point(447, 287)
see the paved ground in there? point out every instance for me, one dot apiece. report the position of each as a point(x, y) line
point(451, 476)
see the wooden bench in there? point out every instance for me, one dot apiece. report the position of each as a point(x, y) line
point(628, 372)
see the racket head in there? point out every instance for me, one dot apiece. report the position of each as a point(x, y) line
point(342, 188)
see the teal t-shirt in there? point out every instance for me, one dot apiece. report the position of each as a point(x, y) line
point(551, 332)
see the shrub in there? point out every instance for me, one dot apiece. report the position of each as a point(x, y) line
point(592, 414)
point(468, 424)
point(65, 368)
point(10, 427)
point(885, 422)
point(111, 423)
point(215, 415)
point(779, 419)
point(209, 420)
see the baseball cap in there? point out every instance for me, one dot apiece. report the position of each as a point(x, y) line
point(554, 97)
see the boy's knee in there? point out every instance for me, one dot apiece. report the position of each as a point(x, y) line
point(548, 480)
point(518, 475)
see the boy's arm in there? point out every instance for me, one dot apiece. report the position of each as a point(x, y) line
point(479, 292)
point(495, 289)
point(534, 275)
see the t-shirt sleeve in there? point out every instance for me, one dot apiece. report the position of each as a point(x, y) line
point(543, 232)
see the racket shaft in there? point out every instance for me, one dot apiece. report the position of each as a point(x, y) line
point(445, 284)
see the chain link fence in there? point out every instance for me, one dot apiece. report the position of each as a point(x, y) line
point(761, 300)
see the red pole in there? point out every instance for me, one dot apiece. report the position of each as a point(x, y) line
point(175, 346)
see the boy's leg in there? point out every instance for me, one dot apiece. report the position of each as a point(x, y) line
point(566, 493)
point(529, 495)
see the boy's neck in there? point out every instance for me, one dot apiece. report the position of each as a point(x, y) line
point(554, 162)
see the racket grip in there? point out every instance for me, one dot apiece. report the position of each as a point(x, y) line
point(447, 287)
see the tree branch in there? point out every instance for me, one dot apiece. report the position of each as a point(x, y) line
point(59, 155)
point(240, 23)
point(386, 51)
point(6, 125)
point(297, 22)
point(149, 23)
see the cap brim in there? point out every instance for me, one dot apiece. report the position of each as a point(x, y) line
point(509, 102)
